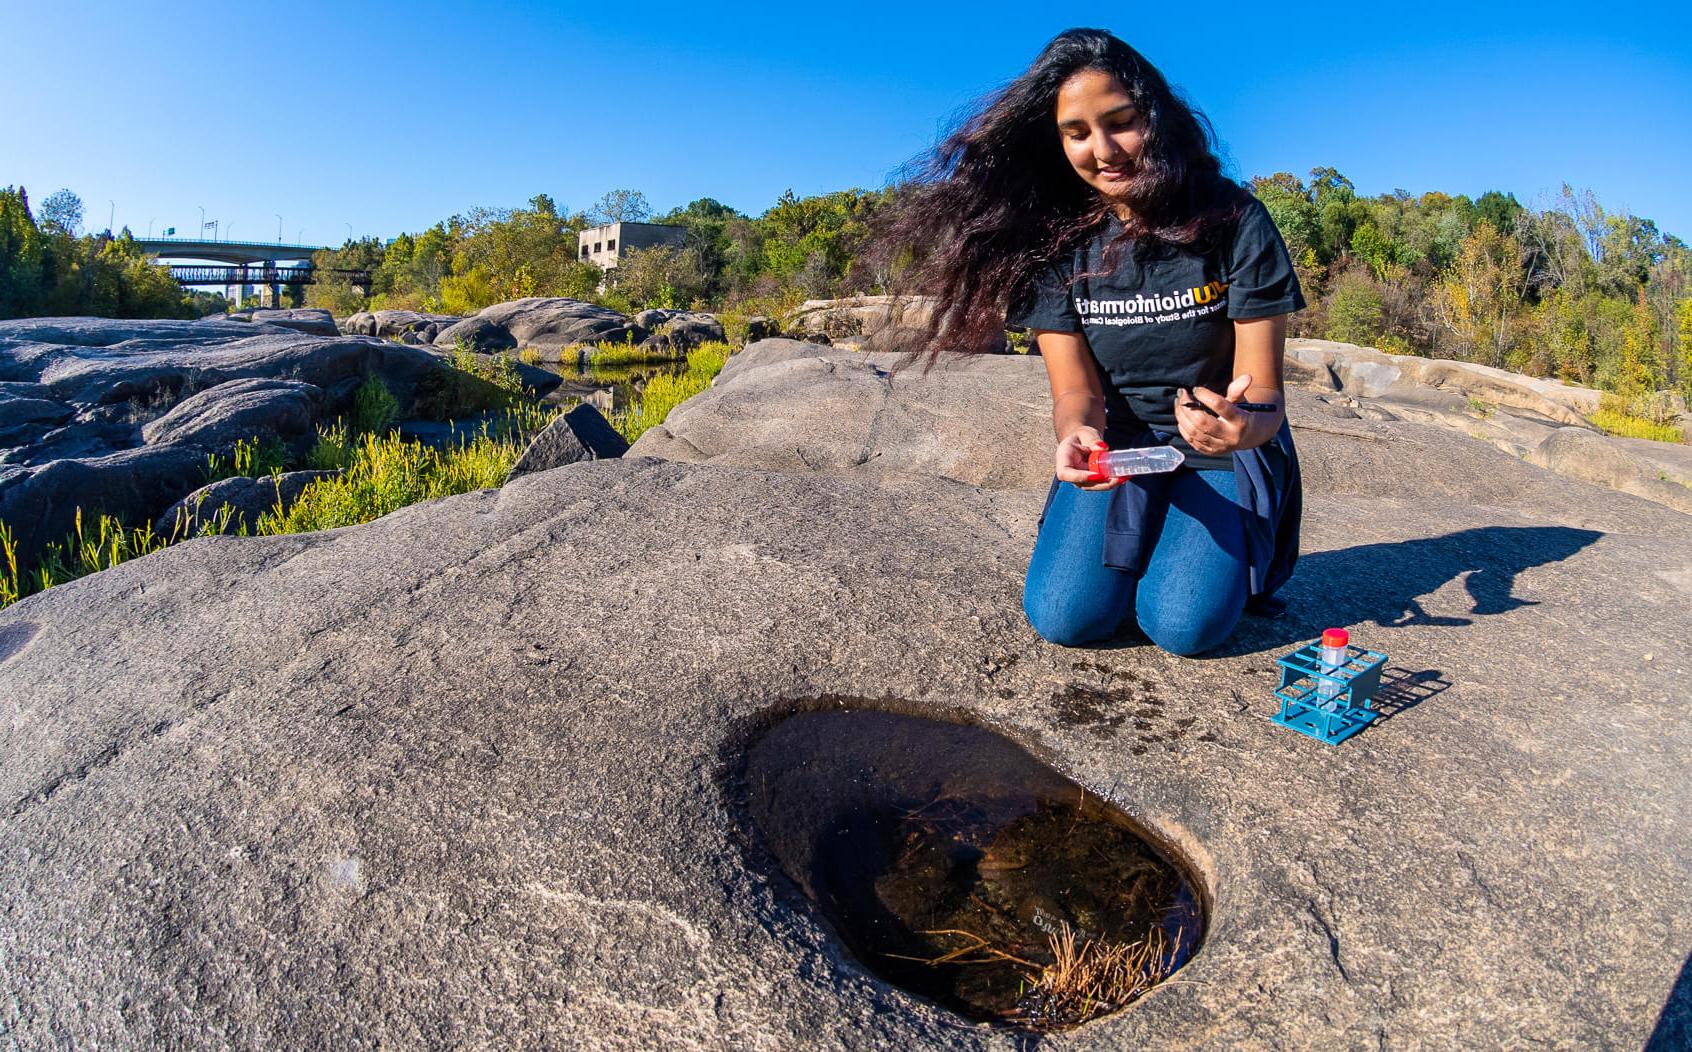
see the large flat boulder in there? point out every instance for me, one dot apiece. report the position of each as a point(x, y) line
point(788, 405)
point(852, 316)
point(312, 320)
point(1369, 373)
point(466, 775)
point(1542, 421)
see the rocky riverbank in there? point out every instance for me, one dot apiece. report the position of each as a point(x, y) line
point(465, 774)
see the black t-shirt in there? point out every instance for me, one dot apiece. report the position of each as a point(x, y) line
point(1164, 322)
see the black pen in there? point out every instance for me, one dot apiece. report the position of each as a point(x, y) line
point(1250, 407)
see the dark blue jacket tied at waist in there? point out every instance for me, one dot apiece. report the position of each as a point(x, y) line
point(1270, 496)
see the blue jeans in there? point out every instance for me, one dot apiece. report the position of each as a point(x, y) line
point(1191, 593)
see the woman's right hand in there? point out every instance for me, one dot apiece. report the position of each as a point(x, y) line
point(1070, 462)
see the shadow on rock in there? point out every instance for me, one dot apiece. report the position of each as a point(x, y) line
point(1382, 583)
point(1673, 1031)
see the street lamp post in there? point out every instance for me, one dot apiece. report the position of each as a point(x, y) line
point(202, 232)
point(278, 228)
point(112, 215)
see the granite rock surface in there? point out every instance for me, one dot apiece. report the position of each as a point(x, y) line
point(462, 776)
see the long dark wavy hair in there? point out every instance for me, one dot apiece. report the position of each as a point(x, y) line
point(998, 198)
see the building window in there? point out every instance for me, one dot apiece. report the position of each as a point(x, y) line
point(597, 248)
point(611, 245)
point(584, 252)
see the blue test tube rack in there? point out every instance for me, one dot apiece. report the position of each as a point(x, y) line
point(1334, 719)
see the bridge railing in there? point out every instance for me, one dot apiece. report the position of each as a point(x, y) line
point(201, 274)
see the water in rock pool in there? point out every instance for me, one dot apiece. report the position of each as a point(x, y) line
point(955, 865)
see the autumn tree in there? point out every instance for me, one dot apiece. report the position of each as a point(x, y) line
point(1479, 297)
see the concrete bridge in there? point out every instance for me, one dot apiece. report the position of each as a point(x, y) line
point(232, 252)
point(244, 264)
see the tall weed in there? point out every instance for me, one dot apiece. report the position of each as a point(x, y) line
point(386, 473)
point(663, 393)
point(251, 458)
point(87, 550)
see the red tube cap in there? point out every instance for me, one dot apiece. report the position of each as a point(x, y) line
point(1336, 637)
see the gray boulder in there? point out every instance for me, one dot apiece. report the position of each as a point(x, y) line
point(476, 334)
point(246, 498)
point(679, 331)
point(258, 793)
point(860, 315)
point(398, 324)
point(219, 416)
point(549, 325)
point(40, 503)
point(311, 320)
point(1364, 372)
point(1591, 457)
point(153, 364)
point(1539, 420)
point(27, 412)
point(580, 434)
point(782, 404)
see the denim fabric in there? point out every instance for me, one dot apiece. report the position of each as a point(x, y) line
point(1192, 590)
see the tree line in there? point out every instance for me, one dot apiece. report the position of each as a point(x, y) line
point(1571, 290)
point(49, 268)
point(798, 248)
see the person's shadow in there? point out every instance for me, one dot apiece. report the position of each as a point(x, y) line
point(1673, 1032)
point(1382, 583)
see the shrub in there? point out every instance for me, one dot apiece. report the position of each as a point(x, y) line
point(1354, 310)
point(374, 408)
point(1616, 416)
point(386, 473)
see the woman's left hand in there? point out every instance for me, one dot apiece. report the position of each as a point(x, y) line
point(1222, 433)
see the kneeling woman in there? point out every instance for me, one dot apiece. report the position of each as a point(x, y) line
point(1088, 198)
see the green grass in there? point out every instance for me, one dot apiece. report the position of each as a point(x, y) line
point(625, 353)
point(664, 393)
point(385, 473)
point(1616, 422)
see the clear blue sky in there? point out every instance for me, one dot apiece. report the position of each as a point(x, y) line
point(390, 116)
